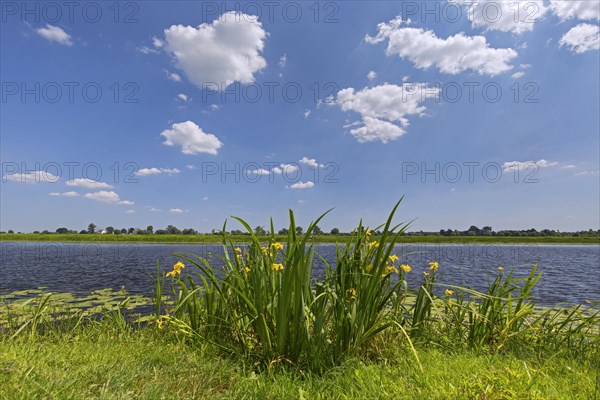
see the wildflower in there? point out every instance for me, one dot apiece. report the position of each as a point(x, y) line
point(159, 323)
point(264, 250)
point(390, 268)
point(500, 269)
point(373, 244)
point(393, 258)
point(237, 250)
point(351, 292)
point(425, 274)
point(369, 267)
point(433, 266)
point(277, 246)
point(277, 267)
point(405, 268)
point(245, 269)
point(448, 292)
point(176, 269)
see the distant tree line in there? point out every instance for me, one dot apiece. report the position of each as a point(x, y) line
point(261, 231)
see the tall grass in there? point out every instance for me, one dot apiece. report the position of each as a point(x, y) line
point(266, 304)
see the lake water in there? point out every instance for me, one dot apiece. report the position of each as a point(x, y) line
point(571, 273)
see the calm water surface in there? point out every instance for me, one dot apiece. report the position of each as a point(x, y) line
point(571, 273)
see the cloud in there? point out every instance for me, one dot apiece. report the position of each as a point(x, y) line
point(88, 183)
point(384, 109)
point(373, 129)
point(191, 167)
point(153, 209)
point(65, 194)
point(580, 9)
point(302, 185)
point(587, 173)
point(504, 16)
point(452, 55)
point(372, 75)
point(226, 51)
point(107, 197)
point(283, 60)
point(311, 162)
point(287, 168)
point(156, 171)
point(191, 138)
point(518, 75)
point(177, 210)
point(55, 34)
point(173, 76)
point(306, 113)
point(205, 198)
point(182, 97)
point(32, 177)
point(582, 38)
point(130, 211)
point(511, 166)
point(261, 171)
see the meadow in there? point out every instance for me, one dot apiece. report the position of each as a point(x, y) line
point(217, 238)
point(263, 327)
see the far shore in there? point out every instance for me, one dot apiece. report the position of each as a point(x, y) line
point(216, 239)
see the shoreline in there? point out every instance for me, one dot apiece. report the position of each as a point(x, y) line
point(323, 239)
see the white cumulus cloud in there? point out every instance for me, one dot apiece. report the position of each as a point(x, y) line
point(311, 162)
point(225, 51)
point(580, 9)
point(107, 197)
point(191, 138)
point(582, 38)
point(511, 166)
point(452, 55)
point(88, 183)
point(32, 177)
point(384, 109)
point(55, 34)
point(156, 171)
point(372, 75)
point(506, 16)
point(302, 185)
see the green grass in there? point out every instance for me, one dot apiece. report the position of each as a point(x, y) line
point(100, 363)
point(215, 239)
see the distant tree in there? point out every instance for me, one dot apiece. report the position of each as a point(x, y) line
point(160, 232)
point(260, 231)
point(150, 229)
point(123, 231)
point(11, 231)
point(110, 230)
point(130, 231)
point(45, 232)
point(59, 230)
point(335, 231)
point(91, 228)
point(299, 230)
point(317, 230)
point(189, 231)
point(283, 231)
point(36, 232)
point(173, 230)
point(83, 232)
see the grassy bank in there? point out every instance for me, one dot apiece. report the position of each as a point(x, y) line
point(100, 362)
point(214, 239)
point(260, 326)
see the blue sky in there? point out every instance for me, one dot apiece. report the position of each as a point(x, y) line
point(186, 113)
